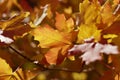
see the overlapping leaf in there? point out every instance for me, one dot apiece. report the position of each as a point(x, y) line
point(58, 40)
point(89, 11)
point(87, 31)
point(49, 37)
point(15, 26)
point(5, 70)
point(62, 24)
point(109, 11)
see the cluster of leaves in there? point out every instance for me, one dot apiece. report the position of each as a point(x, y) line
point(77, 39)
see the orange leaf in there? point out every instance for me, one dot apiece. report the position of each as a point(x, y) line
point(57, 54)
point(60, 21)
point(51, 55)
point(62, 24)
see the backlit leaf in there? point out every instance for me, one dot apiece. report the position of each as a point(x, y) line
point(87, 31)
point(5, 70)
point(11, 22)
point(49, 37)
point(62, 24)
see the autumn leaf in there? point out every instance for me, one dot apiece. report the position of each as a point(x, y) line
point(5, 70)
point(79, 76)
point(89, 11)
point(109, 11)
point(57, 40)
point(83, 6)
point(62, 24)
point(49, 37)
point(53, 39)
point(13, 21)
point(15, 26)
point(20, 31)
point(92, 51)
point(87, 31)
point(110, 37)
point(52, 55)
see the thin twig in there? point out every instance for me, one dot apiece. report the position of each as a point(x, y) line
point(25, 57)
point(42, 66)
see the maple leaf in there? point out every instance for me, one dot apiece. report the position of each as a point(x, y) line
point(57, 40)
point(53, 39)
point(89, 11)
point(92, 51)
point(5, 70)
point(49, 37)
point(86, 31)
point(62, 24)
point(57, 54)
point(52, 55)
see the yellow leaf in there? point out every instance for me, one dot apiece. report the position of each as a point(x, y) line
point(19, 74)
point(69, 25)
point(83, 6)
point(89, 11)
point(5, 70)
point(68, 10)
point(41, 76)
point(72, 58)
point(110, 37)
point(13, 21)
point(87, 31)
point(79, 76)
point(49, 37)
point(90, 14)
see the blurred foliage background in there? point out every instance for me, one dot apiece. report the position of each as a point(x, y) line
point(24, 67)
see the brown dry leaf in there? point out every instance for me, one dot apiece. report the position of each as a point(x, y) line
point(15, 20)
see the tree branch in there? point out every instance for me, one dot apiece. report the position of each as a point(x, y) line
point(25, 57)
point(42, 66)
